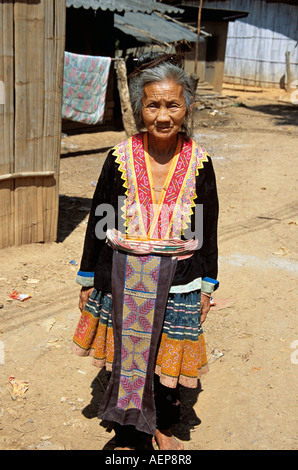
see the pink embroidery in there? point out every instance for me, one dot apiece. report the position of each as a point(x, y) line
point(177, 206)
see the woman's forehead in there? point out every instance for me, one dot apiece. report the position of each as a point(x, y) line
point(167, 90)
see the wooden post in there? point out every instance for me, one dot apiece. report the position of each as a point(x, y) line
point(127, 115)
point(288, 66)
point(198, 36)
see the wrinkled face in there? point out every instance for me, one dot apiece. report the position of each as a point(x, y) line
point(164, 109)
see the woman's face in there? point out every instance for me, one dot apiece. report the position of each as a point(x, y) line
point(164, 109)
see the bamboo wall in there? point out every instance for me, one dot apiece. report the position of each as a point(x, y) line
point(32, 39)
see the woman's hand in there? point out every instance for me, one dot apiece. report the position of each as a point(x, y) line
point(84, 296)
point(205, 307)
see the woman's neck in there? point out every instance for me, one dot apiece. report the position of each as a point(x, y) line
point(162, 151)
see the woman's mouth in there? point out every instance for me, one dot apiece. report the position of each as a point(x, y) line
point(163, 128)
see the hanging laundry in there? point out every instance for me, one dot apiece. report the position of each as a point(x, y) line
point(84, 87)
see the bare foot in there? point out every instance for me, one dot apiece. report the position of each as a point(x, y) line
point(166, 441)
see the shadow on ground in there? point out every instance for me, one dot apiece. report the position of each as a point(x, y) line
point(72, 211)
point(283, 114)
point(188, 418)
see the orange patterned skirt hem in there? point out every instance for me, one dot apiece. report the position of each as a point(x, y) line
point(181, 354)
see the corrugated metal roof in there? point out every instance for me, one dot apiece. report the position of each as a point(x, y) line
point(143, 6)
point(152, 28)
point(212, 14)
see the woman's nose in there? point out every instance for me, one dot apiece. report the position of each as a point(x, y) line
point(163, 113)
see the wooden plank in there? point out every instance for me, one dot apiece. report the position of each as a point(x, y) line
point(28, 174)
point(28, 215)
point(50, 208)
point(127, 114)
point(29, 85)
point(6, 214)
point(54, 50)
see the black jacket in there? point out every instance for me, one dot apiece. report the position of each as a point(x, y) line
point(97, 255)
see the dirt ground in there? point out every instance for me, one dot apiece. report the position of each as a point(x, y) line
point(249, 398)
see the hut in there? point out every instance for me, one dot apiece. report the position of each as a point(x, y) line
point(32, 35)
point(261, 47)
point(214, 23)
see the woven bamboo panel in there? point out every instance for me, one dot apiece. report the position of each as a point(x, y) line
point(6, 123)
point(32, 38)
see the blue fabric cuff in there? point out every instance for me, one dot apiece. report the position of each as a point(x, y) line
point(85, 279)
point(209, 285)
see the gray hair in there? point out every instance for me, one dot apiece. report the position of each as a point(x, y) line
point(163, 71)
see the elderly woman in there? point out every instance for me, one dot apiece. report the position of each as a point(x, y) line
point(149, 263)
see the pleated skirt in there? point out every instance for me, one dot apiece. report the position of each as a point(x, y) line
point(181, 356)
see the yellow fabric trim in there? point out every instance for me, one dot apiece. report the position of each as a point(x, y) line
point(197, 152)
point(118, 156)
point(158, 206)
point(199, 166)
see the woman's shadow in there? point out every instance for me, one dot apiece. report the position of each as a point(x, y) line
point(98, 386)
point(182, 430)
